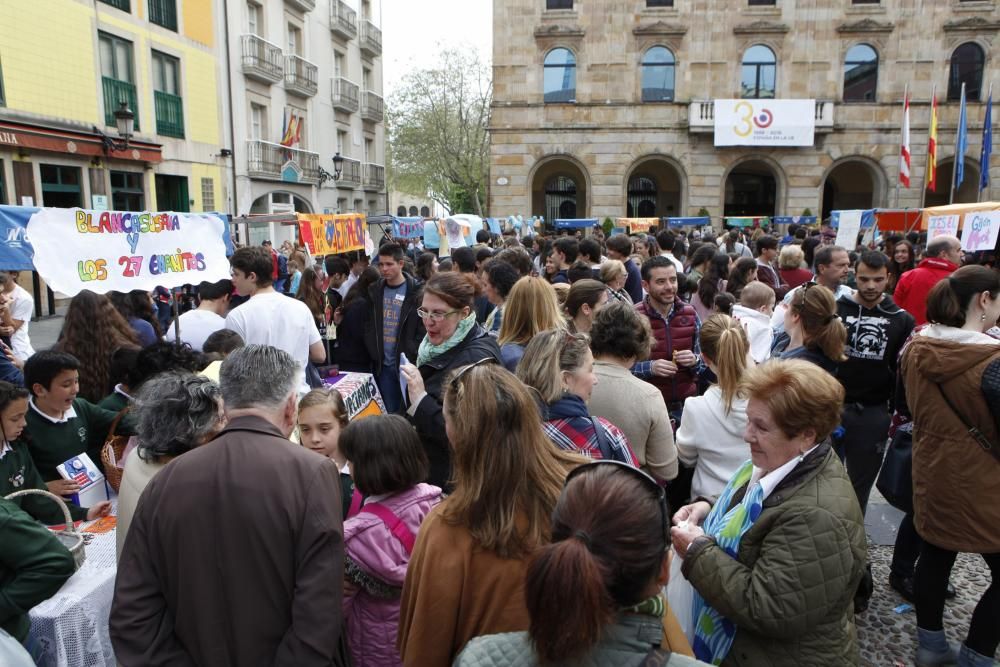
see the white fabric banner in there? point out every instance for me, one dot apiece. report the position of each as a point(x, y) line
point(765, 122)
point(103, 251)
point(847, 231)
point(980, 230)
point(938, 225)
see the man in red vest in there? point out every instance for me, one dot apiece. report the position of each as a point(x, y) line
point(942, 257)
point(675, 361)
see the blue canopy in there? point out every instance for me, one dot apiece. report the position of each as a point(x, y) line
point(794, 219)
point(576, 223)
point(700, 221)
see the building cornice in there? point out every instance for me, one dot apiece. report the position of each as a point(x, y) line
point(659, 29)
point(558, 31)
point(865, 25)
point(761, 27)
point(972, 24)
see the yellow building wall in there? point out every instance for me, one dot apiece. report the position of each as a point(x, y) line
point(198, 172)
point(197, 21)
point(48, 59)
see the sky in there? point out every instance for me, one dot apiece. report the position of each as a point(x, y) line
point(413, 31)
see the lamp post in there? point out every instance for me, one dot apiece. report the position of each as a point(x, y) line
point(338, 168)
point(125, 123)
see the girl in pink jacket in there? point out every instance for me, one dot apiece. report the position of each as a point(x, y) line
point(387, 463)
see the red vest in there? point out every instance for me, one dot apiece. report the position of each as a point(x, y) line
point(677, 334)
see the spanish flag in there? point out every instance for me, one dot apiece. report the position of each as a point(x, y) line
point(931, 171)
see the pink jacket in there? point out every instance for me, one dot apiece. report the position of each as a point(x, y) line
point(376, 561)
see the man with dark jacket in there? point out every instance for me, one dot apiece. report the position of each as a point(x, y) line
point(394, 327)
point(235, 555)
point(876, 331)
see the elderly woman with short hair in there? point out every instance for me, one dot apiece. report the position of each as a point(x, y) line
point(175, 412)
point(776, 561)
point(614, 275)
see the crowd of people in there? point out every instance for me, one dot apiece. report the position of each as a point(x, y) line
point(563, 417)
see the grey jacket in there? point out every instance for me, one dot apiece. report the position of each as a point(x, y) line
point(624, 644)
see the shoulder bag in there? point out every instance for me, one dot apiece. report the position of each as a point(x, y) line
point(895, 478)
point(973, 430)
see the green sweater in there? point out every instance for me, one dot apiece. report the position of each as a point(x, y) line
point(52, 444)
point(114, 401)
point(33, 567)
point(18, 472)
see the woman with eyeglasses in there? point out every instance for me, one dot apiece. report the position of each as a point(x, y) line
point(466, 574)
point(594, 593)
point(775, 561)
point(453, 339)
point(813, 330)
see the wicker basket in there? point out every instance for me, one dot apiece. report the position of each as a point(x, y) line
point(70, 537)
point(112, 451)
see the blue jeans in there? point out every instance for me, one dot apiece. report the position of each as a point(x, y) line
point(388, 386)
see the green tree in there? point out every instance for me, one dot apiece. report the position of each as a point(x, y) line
point(437, 122)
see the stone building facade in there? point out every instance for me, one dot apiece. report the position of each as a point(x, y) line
point(605, 107)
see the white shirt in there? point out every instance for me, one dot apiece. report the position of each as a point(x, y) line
point(346, 285)
point(22, 309)
point(771, 480)
point(279, 321)
point(198, 325)
point(758, 328)
point(712, 441)
point(66, 416)
point(677, 263)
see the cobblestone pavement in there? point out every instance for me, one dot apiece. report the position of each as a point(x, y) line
point(889, 639)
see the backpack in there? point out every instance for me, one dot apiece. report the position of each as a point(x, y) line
point(282, 266)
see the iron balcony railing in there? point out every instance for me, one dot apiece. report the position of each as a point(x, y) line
point(270, 161)
point(169, 114)
point(116, 92)
point(262, 60)
point(373, 177)
point(373, 109)
point(350, 173)
point(300, 76)
point(344, 95)
point(343, 20)
point(371, 39)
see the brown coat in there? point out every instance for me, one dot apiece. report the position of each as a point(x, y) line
point(234, 557)
point(455, 591)
point(955, 482)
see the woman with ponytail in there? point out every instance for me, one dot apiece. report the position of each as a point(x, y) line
point(710, 437)
point(813, 331)
point(593, 594)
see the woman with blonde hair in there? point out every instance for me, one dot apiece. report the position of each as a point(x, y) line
point(559, 366)
point(467, 571)
point(813, 330)
point(614, 275)
point(790, 269)
point(530, 307)
point(710, 437)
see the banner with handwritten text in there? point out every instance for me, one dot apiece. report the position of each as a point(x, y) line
point(332, 234)
point(980, 230)
point(103, 251)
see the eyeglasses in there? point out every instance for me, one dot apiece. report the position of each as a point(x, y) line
point(434, 316)
point(465, 369)
point(644, 477)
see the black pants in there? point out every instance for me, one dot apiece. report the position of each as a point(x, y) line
point(906, 550)
point(862, 446)
point(930, 585)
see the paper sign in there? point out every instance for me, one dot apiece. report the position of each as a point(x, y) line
point(980, 230)
point(360, 393)
point(407, 228)
point(77, 249)
point(847, 232)
point(332, 234)
point(99, 202)
point(938, 225)
point(454, 232)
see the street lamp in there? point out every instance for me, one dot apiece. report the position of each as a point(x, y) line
point(125, 123)
point(338, 168)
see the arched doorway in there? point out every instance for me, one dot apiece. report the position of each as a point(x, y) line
point(851, 184)
point(967, 191)
point(751, 190)
point(280, 202)
point(559, 189)
point(653, 189)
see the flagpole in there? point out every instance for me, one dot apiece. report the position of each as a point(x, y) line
point(989, 110)
point(954, 163)
point(927, 162)
point(906, 88)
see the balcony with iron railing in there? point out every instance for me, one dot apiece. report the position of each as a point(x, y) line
point(116, 92)
point(262, 60)
point(350, 173)
point(373, 109)
point(371, 39)
point(301, 76)
point(169, 114)
point(373, 177)
point(270, 161)
point(344, 95)
point(303, 5)
point(343, 20)
point(701, 116)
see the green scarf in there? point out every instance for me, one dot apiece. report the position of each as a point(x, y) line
point(429, 350)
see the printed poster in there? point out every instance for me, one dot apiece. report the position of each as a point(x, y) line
point(764, 122)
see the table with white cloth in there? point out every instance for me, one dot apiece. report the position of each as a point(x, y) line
point(70, 629)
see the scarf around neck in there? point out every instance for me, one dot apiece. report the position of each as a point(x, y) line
point(429, 350)
point(567, 406)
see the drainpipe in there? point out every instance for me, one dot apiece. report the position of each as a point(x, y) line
point(232, 124)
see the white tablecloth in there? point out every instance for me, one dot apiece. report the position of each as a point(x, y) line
point(70, 629)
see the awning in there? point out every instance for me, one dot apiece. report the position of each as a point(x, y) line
point(18, 134)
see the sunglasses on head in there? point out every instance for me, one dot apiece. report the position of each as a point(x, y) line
point(465, 369)
point(647, 481)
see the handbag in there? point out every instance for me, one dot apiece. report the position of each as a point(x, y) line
point(895, 478)
point(113, 452)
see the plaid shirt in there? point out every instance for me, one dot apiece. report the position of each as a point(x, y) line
point(577, 434)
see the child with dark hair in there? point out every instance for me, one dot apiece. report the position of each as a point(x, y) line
point(60, 424)
point(387, 462)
